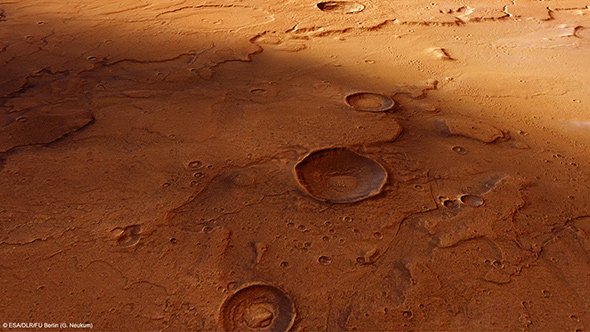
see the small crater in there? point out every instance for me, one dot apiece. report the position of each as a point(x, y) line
point(258, 91)
point(369, 102)
point(324, 260)
point(497, 264)
point(195, 165)
point(339, 175)
point(471, 200)
point(459, 149)
point(129, 236)
point(342, 7)
point(257, 307)
point(450, 204)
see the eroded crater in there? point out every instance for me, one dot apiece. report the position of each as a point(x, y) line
point(369, 102)
point(339, 175)
point(257, 307)
point(343, 7)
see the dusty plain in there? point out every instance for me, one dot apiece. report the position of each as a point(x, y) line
point(172, 165)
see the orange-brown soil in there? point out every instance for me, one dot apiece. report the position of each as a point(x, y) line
point(270, 165)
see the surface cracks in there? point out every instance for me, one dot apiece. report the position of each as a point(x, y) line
point(26, 86)
point(14, 148)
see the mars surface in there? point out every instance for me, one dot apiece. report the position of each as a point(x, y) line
point(255, 165)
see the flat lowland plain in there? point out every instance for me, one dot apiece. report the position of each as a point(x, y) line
point(255, 165)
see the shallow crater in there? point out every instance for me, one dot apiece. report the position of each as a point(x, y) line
point(339, 175)
point(343, 7)
point(257, 307)
point(369, 102)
